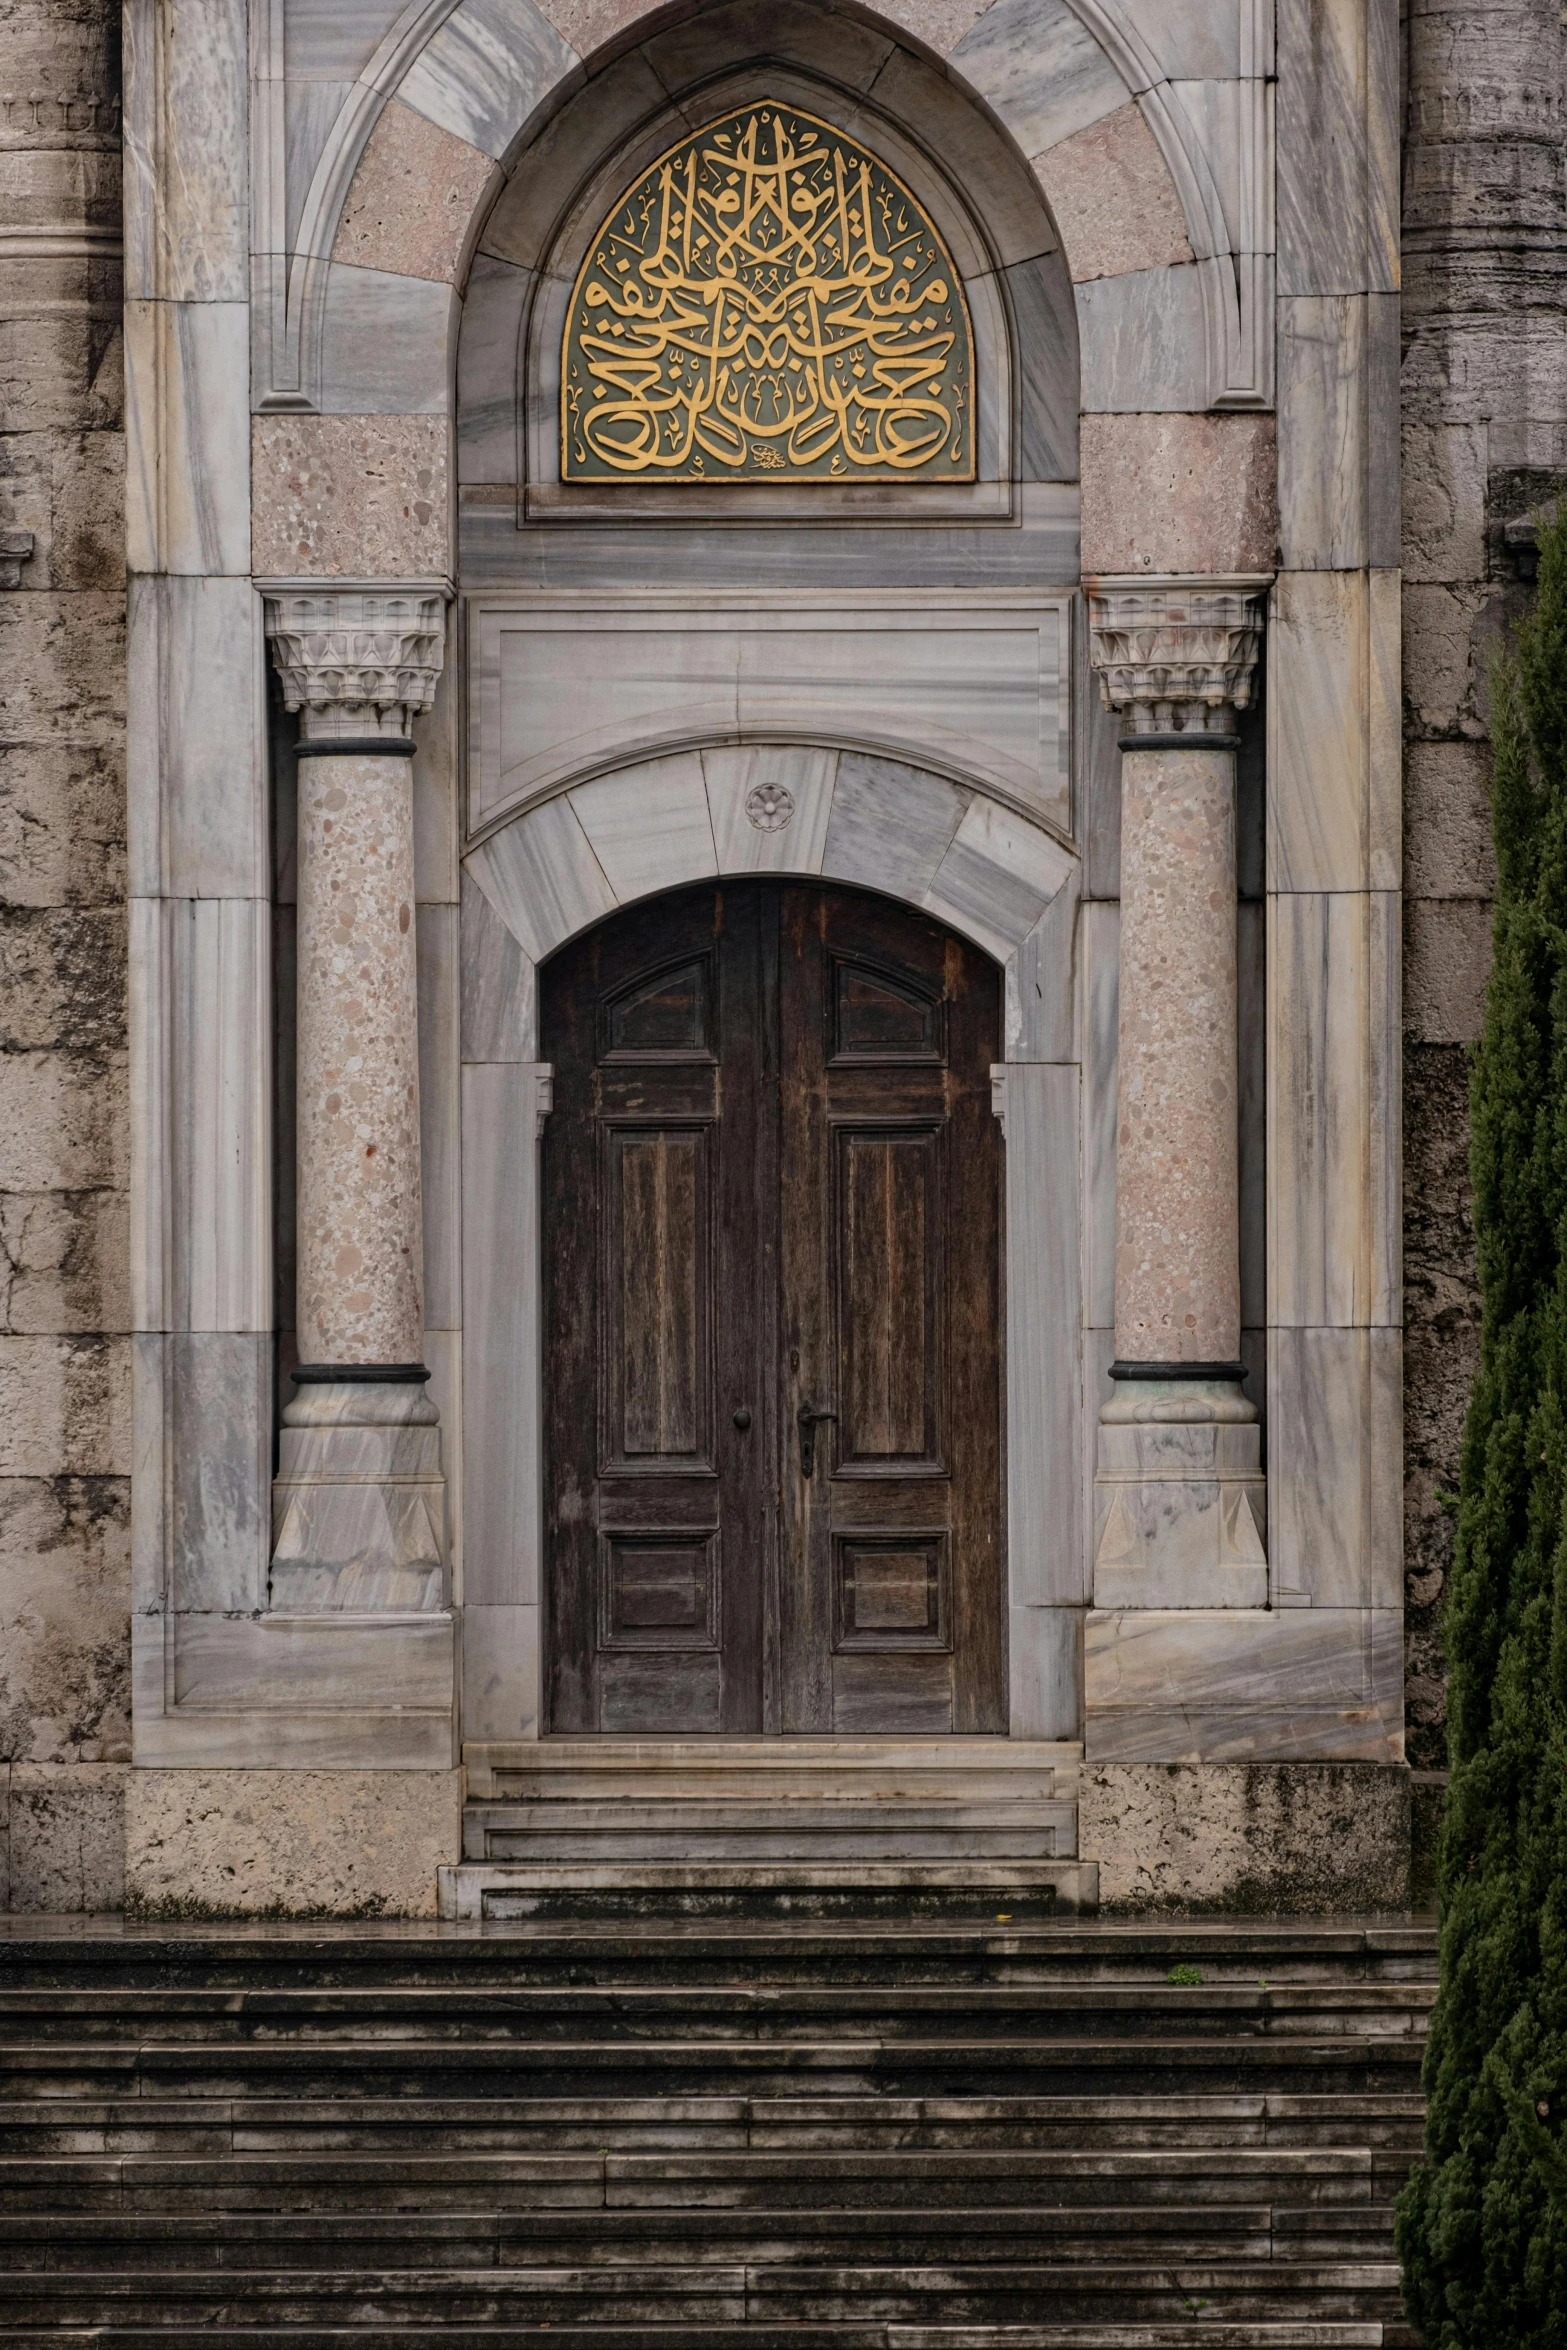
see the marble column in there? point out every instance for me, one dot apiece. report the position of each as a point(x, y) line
point(359, 1502)
point(1180, 1500)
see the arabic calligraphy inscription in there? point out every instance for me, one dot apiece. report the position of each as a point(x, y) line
point(768, 303)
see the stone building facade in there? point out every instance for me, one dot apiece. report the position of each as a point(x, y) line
point(369, 703)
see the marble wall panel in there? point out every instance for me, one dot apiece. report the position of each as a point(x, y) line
point(350, 497)
point(186, 152)
point(1338, 195)
point(443, 1359)
point(387, 343)
point(1334, 752)
point(437, 785)
point(314, 108)
point(649, 825)
point(501, 1334)
point(1202, 40)
point(890, 825)
point(1219, 120)
point(496, 298)
point(940, 113)
point(439, 1138)
point(1338, 394)
point(486, 70)
point(1113, 198)
point(333, 39)
point(1039, 1108)
point(414, 195)
point(845, 49)
point(331, 1736)
point(603, 120)
point(542, 878)
point(1226, 1685)
point(272, 1663)
point(1144, 342)
point(1041, 1006)
point(500, 1650)
point(187, 435)
point(1096, 1354)
point(1334, 1110)
point(1098, 981)
point(217, 1466)
point(196, 742)
point(200, 1135)
point(499, 1002)
point(733, 773)
point(1335, 1494)
point(1044, 342)
point(1045, 1663)
point(997, 877)
point(1179, 493)
point(1251, 933)
point(1036, 63)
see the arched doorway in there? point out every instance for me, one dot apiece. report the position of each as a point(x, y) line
point(772, 1321)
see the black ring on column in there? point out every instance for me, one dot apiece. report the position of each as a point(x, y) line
point(1178, 1371)
point(1180, 742)
point(358, 746)
point(358, 1374)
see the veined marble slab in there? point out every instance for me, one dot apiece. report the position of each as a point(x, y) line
point(1040, 67)
point(1216, 1685)
point(972, 682)
point(486, 70)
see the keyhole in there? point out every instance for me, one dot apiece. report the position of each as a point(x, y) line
point(742, 1419)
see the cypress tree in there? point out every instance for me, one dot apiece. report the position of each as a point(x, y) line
point(1482, 2224)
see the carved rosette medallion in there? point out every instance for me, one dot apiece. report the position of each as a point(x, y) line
point(768, 303)
point(769, 806)
point(1175, 651)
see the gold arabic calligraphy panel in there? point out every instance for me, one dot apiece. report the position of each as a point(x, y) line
point(768, 303)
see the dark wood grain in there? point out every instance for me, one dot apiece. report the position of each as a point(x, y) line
point(772, 1180)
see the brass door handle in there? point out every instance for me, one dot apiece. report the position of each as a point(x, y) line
point(807, 1417)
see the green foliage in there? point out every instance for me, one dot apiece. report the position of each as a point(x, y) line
point(1186, 1976)
point(1482, 2225)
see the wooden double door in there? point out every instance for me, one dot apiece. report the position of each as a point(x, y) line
point(773, 1310)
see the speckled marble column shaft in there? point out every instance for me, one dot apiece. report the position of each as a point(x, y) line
point(1177, 1257)
point(361, 1275)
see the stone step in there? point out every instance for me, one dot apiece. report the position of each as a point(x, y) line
point(172, 2127)
point(707, 1951)
point(1137, 2011)
point(1041, 2334)
point(509, 2240)
point(635, 1887)
point(784, 1830)
point(888, 1768)
point(685, 2293)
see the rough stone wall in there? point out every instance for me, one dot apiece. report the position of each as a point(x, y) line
point(64, 1306)
point(1485, 441)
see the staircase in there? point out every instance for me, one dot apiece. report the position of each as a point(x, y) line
point(798, 1827)
point(839, 2134)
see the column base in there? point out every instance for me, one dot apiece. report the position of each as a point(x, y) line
point(1180, 1499)
point(359, 1502)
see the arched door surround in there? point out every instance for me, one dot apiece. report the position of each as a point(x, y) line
point(965, 861)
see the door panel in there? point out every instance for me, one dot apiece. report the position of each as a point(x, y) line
point(773, 1190)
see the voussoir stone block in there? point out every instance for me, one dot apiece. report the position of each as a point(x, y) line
point(414, 198)
point(1295, 1837)
point(1113, 198)
point(1173, 493)
point(350, 497)
point(246, 1843)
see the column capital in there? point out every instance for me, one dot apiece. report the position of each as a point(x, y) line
point(1176, 653)
point(358, 657)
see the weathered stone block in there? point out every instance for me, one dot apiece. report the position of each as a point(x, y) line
point(62, 824)
point(350, 497)
point(1444, 501)
point(64, 1122)
point(68, 489)
point(62, 667)
point(64, 1261)
point(67, 1837)
point(1447, 964)
point(65, 1636)
point(65, 1407)
point(1445, 644)
point(1179, 493)
point(1448, 849)
point(1302, 1838)
point(62, 979)
point(289, 1843)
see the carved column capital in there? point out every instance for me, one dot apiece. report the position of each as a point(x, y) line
point(357, 658)
point(1176, 655)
